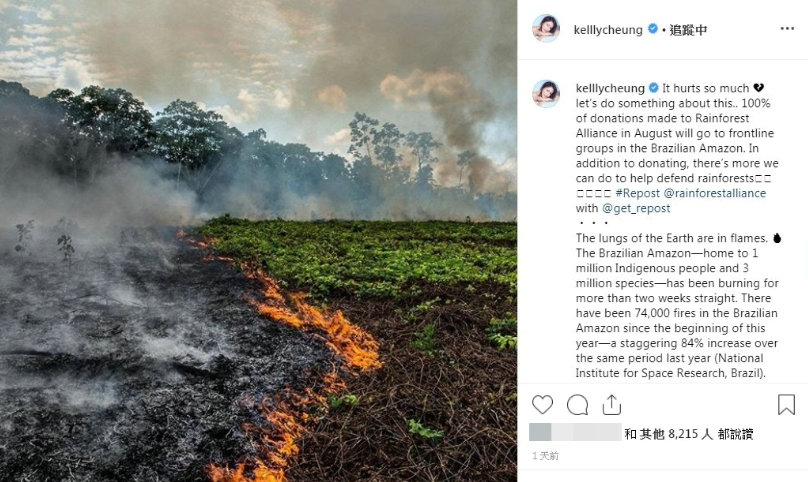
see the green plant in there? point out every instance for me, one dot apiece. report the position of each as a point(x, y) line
point(412, 313)
point(65, 243)
point(427, 433)
point(425, 340)
point(24, 237)
point(349, 400)
point(503, 342)
point(373, 260)
point(426, 305)
point(502, 332)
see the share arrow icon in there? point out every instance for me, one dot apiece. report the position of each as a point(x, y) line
point(613, 408)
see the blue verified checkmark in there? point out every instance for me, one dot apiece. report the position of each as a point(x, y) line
point(653, 87)
point(652, 28)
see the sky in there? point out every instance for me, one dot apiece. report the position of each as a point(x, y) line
point(299, 69)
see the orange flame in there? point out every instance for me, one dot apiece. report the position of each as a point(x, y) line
point(351, 343)
point(288, 414)
point(279, 440)
point(261, 473)
point(209, 256)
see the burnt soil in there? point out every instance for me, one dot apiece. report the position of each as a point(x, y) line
point(465, 387)
point(135, 360)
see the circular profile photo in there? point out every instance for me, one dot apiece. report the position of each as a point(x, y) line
point(546, 93)
point(546, 28)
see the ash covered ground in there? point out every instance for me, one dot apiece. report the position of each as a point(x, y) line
point(134, 360)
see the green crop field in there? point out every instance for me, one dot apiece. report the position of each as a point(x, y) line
point(366, 259)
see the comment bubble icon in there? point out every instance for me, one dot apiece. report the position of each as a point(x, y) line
point(578, 405)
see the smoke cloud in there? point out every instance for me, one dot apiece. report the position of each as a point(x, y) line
point(333, 96)
point(295, 68)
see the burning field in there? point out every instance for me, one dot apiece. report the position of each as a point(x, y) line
point(440, 300)
point(172, 357)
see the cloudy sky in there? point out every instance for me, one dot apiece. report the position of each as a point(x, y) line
point(297, 68)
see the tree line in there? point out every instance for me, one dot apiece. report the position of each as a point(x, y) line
point(79, 135)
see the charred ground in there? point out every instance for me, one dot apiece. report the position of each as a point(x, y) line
point(145, 358)
point(135, 360)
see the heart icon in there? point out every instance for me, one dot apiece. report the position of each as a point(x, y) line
point(758, 87)
point(542, 403)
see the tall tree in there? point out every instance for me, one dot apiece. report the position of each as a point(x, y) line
point(113, 118)
point(303, 168)
point(32, 134)
point(334, 168)
point(190, 137)
point(463, 161)
point(423, 178)
point(386, 142)
point(421, 146)
point(363, 132)
point(254, 142)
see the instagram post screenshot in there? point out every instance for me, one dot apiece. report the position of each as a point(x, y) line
point(268, 240)
point(258, 241)
point(663, 261)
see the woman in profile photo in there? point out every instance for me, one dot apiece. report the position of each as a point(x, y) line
point(546, 29)
point(546, 95)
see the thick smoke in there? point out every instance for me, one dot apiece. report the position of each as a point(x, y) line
point(463, 111)
point(297, 68)
point(156, 47)
point(58, 163)
point(448, 59)
point(474, 37)
point(131, 195)
point(453, 99)
point(81, 304)
point(455, 59)
point(48, 173)
point(132, 359)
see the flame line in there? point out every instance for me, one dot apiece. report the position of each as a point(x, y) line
point(288, 413)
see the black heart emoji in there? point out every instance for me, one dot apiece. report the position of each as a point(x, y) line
point(758, 87)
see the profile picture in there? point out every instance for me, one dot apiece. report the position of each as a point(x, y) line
point(546, 93)
point(546, 28)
